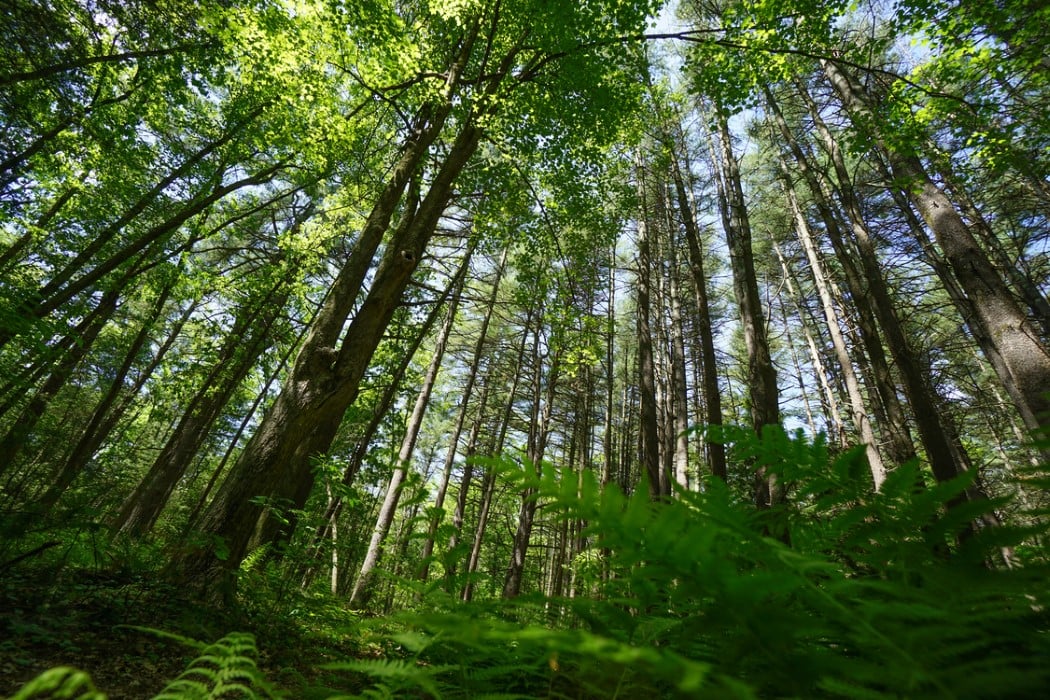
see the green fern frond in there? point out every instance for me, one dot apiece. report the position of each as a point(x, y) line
point(225, 666)
point(60, 683)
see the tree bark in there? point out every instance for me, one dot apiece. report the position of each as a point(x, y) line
point(1023, 358)
point(712, 394)
point(763, 393)
point(104, 418)
point(363, 587)
point(539, 431)
point(324, 381)
point(648, 434)
point(247, 339)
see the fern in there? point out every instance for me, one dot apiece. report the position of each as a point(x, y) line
point(876, 597)
point(60, 683)
point(225, 666)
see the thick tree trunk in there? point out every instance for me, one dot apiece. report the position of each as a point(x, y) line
point(323, 382)
point(1022, 357)
point(379, 411)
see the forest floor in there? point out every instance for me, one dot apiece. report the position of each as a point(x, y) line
point(87, 619)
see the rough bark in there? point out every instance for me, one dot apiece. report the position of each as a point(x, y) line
point(648, 434)
point(324, 380)
point(1024, 359)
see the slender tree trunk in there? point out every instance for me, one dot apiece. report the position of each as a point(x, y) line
point(712, 393)
point(104, 418)
point(488, 487)
point(858, 411)
point(363, 587)
point(900, 449)
point(833, 417)
point(450, 455)
point(539, 431)
point(649, 439)
point(680, 390)
point(762, 378)
point(608, 438)
point(247, 339)
point(84, 336)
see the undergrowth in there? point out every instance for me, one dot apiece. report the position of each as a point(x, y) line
point(841, 592)
point(878, 595)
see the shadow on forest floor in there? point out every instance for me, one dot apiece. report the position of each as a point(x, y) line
point(82, 619)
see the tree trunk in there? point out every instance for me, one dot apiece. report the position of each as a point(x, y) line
point(712, 393)
point(489, 482)
point(324, 381)
point(104, 418)
point(247, 339)
point(649, 438)
point(679, 387)
point(539, 427)
point(457, 430)
point(83, 337)
point(363, 587)
point(761, 374)
point(378, 412)
point(900, 449)
point(858, 411)
point(1024, 360)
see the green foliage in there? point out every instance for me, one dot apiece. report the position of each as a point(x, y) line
point(875, 597)
point(225, 668)
point(59, 683)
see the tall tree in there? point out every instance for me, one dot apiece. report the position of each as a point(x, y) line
point(1023, 360)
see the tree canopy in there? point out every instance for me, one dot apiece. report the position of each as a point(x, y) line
point(521, 348)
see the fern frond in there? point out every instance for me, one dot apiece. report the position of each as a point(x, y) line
point(61, 683)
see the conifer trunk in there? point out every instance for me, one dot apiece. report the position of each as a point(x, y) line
point(762, 388)
point(457, 430)
point(1023, 361)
